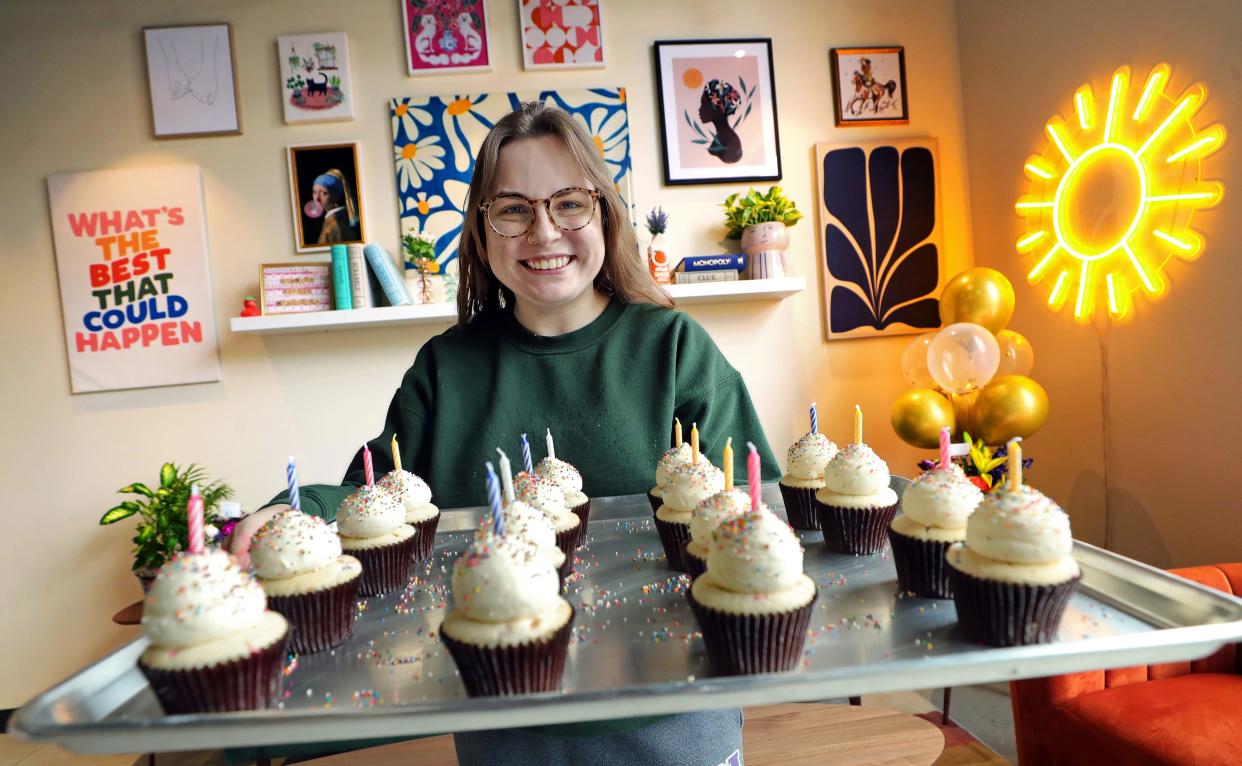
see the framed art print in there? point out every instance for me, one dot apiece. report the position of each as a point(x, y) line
point(446, 36)
point(326, 192)
point(717, 111)
point(190, 72)
point(315, 79)
point(295, 288)
point(561, 34)
point(869, 86)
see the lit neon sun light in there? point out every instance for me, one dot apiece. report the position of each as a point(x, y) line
point(1111, 197)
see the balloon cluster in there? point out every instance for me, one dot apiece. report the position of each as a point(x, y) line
point(972, 375)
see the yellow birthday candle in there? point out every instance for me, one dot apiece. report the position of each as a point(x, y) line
point(676, 432)
point(396, 453)
point(728, 463)
point(694, 443)
point(857, 424)
point(1015, 464)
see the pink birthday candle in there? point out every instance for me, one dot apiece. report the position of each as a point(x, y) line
point(194, 512)
point(367, 467)
point(752, 475)
point(944, 447)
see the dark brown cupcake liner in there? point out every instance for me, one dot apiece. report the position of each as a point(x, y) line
point(502, 670)
point(565, 569)
point(425, 538)
point(921, 568)
point(855, 530)
point(741, 644)
point(800, 507)
point(386, 568)
point(656, 502)
point(571, 540)
point(247, 683)
point(674, 537)
point(1009, 614)
point(694, 566)
point(583, 512)
point(319, 620)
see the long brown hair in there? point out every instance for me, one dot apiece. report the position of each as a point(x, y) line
point(623, 273)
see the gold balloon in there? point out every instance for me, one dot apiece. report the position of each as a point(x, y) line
point(980, 295)
point(964, 414)
point(1016, 355)
point(1009, 406)
point(919, 414)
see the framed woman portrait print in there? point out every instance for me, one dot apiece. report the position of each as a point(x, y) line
point(717, 110)
point(326, 192)
point(869, 86)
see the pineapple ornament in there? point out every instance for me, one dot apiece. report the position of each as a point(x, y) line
point(657, 259)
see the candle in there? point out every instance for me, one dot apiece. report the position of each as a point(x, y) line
point(493, 501)
point(728, 463)
point(530, 467)
point(944, 447)
point(752, 475)
point(1015, 463)
point(291, 474)
point(551, 447)
point(367, 468)
point(396, 453)
point(676, 432)
point(694, 443)
point(857, 424)
point(506, 476)
point(814, 419)
point(194, 512)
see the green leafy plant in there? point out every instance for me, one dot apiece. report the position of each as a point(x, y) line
point(163, 526)
point(756, 207)
point(420, 252)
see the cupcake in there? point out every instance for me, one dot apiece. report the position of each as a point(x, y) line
point(687, 486)
point(420, 512)
point(806, 460)
point(526, 523)
point(707, 515)
point(1015, 572)
point(934, 510)
point(548, 498)
point(672, 459)
point(215, 646)
point(566, 477)
point(509, 628)
point(856, 505)
point(372, 528)
point(753, 603)
point(297, 559)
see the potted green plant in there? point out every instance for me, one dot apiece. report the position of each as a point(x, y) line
point(420, 257)
point(759, 220)
point(163, 527)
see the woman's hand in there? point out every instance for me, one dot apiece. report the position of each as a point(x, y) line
point(239, 540)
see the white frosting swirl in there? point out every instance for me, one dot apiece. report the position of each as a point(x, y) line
point(856, 470)
point(809, 455)
point(369, 512)
point(714, 511)
point(413, 492)
point(293, 543)
point(690, 485)
point(561, 474)
point(942, 497)
point(755, 553)
point(540, 493)
point(1022, 527)
point(199, 597)
point(502, 579)
point(529, 525)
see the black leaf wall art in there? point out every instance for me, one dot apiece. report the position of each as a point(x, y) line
point(880, 237)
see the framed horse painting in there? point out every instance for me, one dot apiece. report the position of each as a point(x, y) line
point(869, 86)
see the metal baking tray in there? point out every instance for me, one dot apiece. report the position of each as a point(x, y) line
point(636, 650)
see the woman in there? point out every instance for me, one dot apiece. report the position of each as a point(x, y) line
point(718, 103)
point(340, 218)
point(559, 326)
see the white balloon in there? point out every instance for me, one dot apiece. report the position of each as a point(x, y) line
point(914, 362)
point(963, 357)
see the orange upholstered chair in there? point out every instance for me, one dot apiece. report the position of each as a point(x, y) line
point(1177, 713)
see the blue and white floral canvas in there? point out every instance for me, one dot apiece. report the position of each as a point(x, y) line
point(879, 215)
point(435, 139)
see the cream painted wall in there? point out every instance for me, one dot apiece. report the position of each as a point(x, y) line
point(1173, 413)
point(77, 100)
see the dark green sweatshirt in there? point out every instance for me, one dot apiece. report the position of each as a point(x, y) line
point(608, 391)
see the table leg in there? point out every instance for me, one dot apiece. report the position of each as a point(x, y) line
point(855, 700)
point(948, 697)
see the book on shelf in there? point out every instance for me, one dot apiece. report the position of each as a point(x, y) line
point(391, 281)
point(359, 279)
point(342, 292)
point(698, 277)
point(734, 261)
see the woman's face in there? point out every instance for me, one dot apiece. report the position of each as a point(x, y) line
point(321, 195)
point(546, 268)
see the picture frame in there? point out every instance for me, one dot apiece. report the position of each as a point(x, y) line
point(717, 110)
point(315, 76)
point(192, 80)
point(869, 86)
point(562, 35)
point(325, 189)
point(440, 39)
point(295, 288)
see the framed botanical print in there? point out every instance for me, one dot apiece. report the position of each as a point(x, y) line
point(869, 86)
point(315, 78)
point(561, 34)
point(326, 192)
point(190, 72)
point(717, 111)
point(446, 36)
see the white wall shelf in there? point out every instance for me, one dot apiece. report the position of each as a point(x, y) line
point(446, 313)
